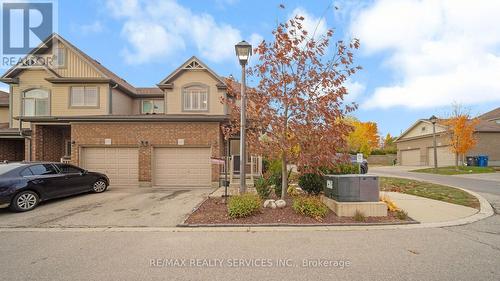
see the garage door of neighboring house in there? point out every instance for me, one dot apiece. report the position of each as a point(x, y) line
point(444, 155)
point(120, 164)
point(410, 157)
point(182, 167)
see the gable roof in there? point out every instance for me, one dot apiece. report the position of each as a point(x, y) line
point(491, 115)
point(43, 47)
point(192, 63)
point(415, 125)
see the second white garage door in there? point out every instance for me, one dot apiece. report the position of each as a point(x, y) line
point(119, 164)
point(182, 167)
point(444, 155)
point(410, 157)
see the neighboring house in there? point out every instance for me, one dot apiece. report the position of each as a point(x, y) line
point(78, 111)
point(4, 110)
point(415, 145)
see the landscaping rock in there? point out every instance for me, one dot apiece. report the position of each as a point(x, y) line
point(272, 205)
point(267, 203)
point(280, 203)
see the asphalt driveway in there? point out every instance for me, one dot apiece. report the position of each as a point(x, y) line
point(130, 207)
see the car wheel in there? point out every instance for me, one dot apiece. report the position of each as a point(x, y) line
point(25, 201)
point(99, 186)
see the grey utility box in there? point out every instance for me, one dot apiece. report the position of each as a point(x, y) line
point(352, 188)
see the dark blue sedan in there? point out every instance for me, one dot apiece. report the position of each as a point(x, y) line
point(24, 185)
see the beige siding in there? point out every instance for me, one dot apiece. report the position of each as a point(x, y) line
point(60, 101)
point(76, 66)
point(122, 103)
point(4, 115)
point(423, 128)
point(174, 96)
point(28, 79)
point(59, 95)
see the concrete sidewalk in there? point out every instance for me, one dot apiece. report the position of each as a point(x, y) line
point(427, 210)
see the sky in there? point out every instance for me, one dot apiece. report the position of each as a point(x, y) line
point(418, 57)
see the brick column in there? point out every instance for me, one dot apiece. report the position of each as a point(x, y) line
point(145, 166)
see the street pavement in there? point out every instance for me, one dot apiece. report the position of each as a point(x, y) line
point(470, 252)
point(467, 252)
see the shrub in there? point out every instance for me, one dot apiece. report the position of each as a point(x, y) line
point(342, 169)
point(262, 186)
point(401, 214)
point(311, 183)
point(292, 191)
point(243, 205)
point(275, 179)
point(310, 206)
point(378, 152)
point(359, 216)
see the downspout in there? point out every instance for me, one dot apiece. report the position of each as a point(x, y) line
point(110, 99)
point(11, 98)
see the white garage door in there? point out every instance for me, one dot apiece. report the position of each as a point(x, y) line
point(410, 157)
point(444, 155)
point(121, 165)
point(182, 167)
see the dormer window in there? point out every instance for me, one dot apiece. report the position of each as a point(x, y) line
point(195, 98)
point(152, 107)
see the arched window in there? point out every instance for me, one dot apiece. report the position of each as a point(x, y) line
point(36, 103)
point(195, 97)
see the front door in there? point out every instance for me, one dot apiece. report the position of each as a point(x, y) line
point(236, 164)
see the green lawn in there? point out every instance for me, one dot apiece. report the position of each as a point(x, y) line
point(429, 190)
point(462, 170)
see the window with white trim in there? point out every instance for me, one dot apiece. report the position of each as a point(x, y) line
point(152, 106)
point(36, 103)
point(84, 96)
point(195, 98)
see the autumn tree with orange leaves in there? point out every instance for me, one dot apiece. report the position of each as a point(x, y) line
point(461, 134)
point(296, 111)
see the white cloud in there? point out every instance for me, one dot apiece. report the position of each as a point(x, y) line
point(159, 28)
point(439, 51)
point(354, 90)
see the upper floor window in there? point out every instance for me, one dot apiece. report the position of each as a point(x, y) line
point(195, 98)
point(60, 57)
point(84, 96)
point(152, 106)
point(36, 103)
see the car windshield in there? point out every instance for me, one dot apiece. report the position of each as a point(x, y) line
point(5, 168)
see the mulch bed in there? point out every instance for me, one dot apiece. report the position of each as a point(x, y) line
point(214, 211)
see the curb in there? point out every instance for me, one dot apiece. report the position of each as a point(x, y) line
point(486, 210)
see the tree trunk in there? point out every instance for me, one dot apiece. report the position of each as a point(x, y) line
point(456, 161)
point(284, 176)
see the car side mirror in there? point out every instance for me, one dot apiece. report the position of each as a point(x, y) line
point(84, 172)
